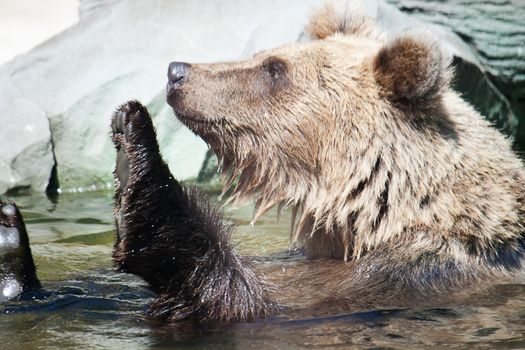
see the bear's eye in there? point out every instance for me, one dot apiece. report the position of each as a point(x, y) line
point(274, 67)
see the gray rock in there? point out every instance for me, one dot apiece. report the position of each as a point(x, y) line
point(78, 77)
point(26, 157)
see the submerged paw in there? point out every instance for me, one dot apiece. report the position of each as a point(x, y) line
point(11, 230)
point(17, 268)
point(9, 246)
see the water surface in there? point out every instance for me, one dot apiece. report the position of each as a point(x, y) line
point(90, 306)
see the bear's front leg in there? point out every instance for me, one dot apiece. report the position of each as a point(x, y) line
point(172, 238)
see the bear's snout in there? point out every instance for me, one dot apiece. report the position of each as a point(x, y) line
point(177, 75)
point(177, 72)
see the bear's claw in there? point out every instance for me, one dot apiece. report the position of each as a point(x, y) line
point(131, 124)
point(124, 114)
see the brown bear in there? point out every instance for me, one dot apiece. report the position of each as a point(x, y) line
point(395, 179)
point(363, 136)
point(385, 166)
point(399, 184)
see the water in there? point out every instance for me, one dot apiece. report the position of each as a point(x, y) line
point(89, 306)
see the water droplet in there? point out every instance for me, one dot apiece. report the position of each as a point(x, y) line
point(11, 289)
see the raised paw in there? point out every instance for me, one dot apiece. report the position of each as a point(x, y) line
point(140, 171)
point(134, 138)
point(131, 126)
point(17, 268)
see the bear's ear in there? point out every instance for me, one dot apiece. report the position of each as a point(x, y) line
point(410, 69)
point(344, 17)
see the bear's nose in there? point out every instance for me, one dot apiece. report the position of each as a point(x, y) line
point(177, 71)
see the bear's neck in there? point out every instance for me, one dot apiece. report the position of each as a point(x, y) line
point(371, 190)
point(365, 192)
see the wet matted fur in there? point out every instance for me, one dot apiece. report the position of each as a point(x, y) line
point(171, 237)
point(364, 138)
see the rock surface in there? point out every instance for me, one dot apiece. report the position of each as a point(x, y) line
point(26, 158)
point(495, 32)
point(119, 51)
point(57, 100)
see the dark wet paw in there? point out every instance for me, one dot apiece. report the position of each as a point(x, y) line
point(134, 138)
point(124, 114)
point(17, 269)
point(131, 123)
point(9, 216)
point(137, 151)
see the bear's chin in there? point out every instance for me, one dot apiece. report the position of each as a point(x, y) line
point(210, 130)
point(196, 122)
point(190, 119)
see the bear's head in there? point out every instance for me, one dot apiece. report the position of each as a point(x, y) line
point(311, 124)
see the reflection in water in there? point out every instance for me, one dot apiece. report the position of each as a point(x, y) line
point(88, 305)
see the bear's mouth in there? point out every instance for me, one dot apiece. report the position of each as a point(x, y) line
point(198, 125)
point(203, 127)
point(192, 118)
